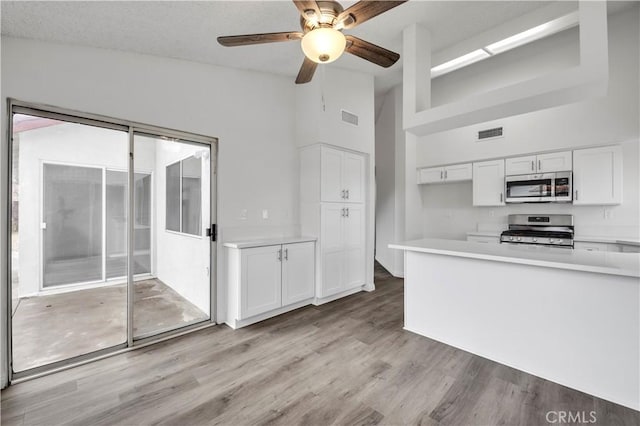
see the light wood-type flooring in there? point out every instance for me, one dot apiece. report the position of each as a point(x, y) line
point(347, 362)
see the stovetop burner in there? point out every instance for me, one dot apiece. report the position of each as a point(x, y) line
point(548, 230)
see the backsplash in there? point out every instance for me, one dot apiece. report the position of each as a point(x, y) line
point(448, 213)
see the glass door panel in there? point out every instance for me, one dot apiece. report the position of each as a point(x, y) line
point(176, 214)
point(61, 234)
point(72, 224)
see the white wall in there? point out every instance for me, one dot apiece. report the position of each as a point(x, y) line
point(390, 182)
point(182, 260)
point(319, 119)
point(613, 119)
point(251, 113)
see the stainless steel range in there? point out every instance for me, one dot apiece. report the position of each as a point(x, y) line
point(548, 230)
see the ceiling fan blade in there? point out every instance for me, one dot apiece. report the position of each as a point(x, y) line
point(305, 6)
point(306, 71)
point(363, 11)
point(369, 51)
point(247, 39)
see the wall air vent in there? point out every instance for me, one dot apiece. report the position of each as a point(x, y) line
point(496, 132)
point(350, 118)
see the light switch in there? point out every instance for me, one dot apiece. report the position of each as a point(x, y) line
point(265, 214)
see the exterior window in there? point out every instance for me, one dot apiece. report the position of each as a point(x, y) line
point(184, 196)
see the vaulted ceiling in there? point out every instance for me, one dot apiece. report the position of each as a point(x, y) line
point(188, 30)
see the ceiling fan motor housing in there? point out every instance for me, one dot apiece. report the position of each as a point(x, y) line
point(329, 12)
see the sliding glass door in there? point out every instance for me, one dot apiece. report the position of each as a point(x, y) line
point(110, 235)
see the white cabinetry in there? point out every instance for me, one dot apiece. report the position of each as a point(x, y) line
point(338, 223)
point(453, 173)
point(488, 183)
point(342, 176)
point(541, 163)
point(267, 280)
point(597, 176)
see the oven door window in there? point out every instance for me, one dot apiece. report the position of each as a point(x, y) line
point(529, 188)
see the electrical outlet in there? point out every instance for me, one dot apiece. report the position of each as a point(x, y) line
point(608, 213)
point(265, 214)
point(244, 214)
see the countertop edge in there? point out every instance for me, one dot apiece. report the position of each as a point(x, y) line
point(267, 242)
point(521, 260)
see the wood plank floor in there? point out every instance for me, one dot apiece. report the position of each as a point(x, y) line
point(347, 362)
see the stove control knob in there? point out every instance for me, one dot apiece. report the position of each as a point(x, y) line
point(535, 240)
point(519, 239)
point(552, 241)
point(510, 238)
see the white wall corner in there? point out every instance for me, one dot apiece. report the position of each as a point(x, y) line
point(416, 87)
point(587, 81)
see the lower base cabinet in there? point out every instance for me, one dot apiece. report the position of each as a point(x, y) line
point(268, 279)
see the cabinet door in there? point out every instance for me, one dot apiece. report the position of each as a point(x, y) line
point(431, 175)
point(354, 246)
point(331, 248)
point(353, 175)
point(597, 176)
point(458, 172)
point(298, 272)
point(521, 165)
point(331, 186)
point(555, 162)
point(488, 183)
point(261, 287)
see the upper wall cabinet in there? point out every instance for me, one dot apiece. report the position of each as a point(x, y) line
point(488, 183)
point(541, 163)
point(454, 173)
point(343, 176)
point(597, 176)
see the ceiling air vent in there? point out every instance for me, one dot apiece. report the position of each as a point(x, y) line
point(496, 132)
point(350, 118)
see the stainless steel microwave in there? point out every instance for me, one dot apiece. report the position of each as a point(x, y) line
point(539, 188)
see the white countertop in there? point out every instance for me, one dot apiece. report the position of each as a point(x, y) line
point(624, 264)
point(267, 242)
point(581, 238)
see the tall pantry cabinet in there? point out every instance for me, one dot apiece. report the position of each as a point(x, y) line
point(333, 200)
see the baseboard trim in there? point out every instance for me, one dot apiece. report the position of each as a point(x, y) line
point(235, 323)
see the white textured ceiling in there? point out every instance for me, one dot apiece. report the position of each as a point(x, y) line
point(188, 30)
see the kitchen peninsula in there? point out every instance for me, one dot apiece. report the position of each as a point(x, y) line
point(569, 316)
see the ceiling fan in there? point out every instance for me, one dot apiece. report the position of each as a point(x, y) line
point(322, 41)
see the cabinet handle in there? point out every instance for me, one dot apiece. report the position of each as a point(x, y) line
point(342, 196)
point(501, 197)
point(347, 194)
point(445, 174)
point(347, 211)
point(441, 174)
point(342, 214)
point(533, 165)
point(576, 195)
point(286, 254)
point(280, 255)
point(539, 165)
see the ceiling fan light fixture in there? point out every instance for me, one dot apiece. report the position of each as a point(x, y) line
point(323, 45)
